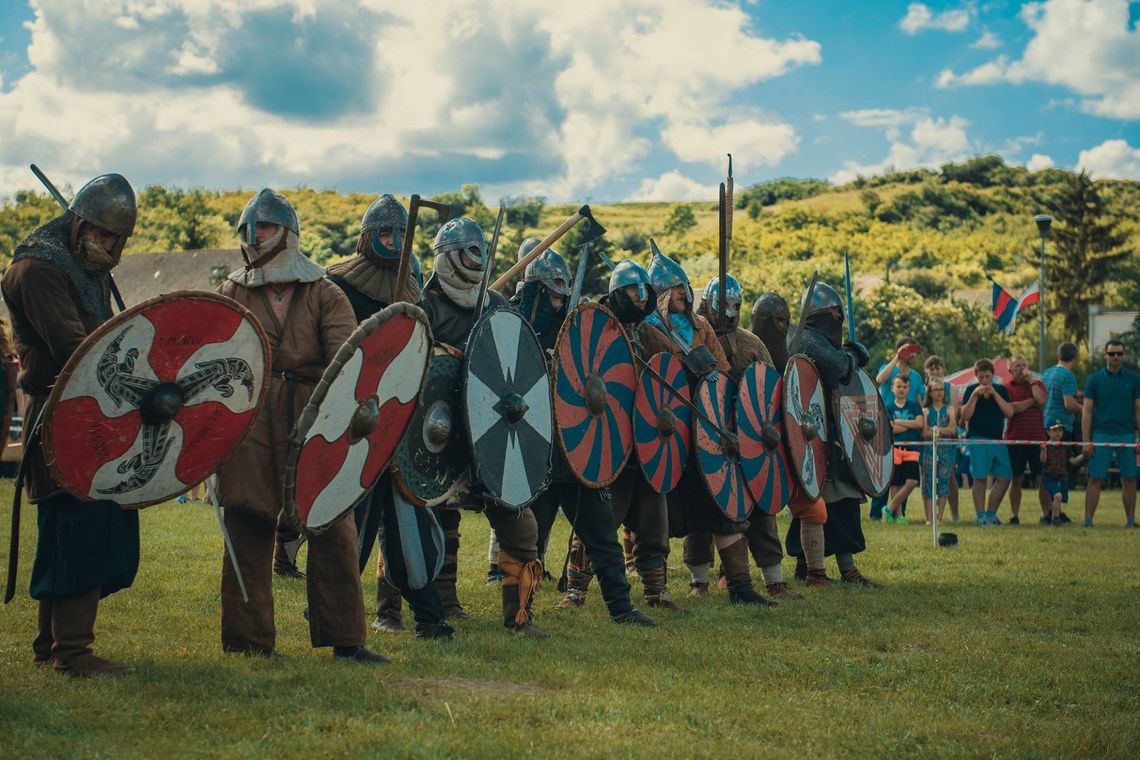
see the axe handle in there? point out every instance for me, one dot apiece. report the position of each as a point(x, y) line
point(405, 268)
point(723, 298)
point(687, 402)
point(534, 253)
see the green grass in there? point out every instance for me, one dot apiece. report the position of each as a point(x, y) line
point(1020, 642)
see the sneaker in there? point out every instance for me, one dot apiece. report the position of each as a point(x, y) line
point(1057, 523)
point(182, 499)
point(995, 519)
point(1088, 522)
point(888, 517)
point(1047, 520)
point(900, 520)
point(1065, 519)
point(1014, 521)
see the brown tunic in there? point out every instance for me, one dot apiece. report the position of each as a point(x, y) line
point(47, 326)
point(319, 319)
point(742, 348)
point(703, 332)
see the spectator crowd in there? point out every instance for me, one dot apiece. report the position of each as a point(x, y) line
point(997, 438)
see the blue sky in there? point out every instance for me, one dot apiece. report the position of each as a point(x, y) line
point(598, 101)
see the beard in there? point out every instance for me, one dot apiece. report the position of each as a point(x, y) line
point(94, 257)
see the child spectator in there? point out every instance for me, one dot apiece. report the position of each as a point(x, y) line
point(935, 371)
point(906, 424)
point(938, 416)
point(985, 408)
point(1055, 462)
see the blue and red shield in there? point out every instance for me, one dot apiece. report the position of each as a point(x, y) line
point(594, 378)
point(760, 427)
point(717, 449)
point(662, 423)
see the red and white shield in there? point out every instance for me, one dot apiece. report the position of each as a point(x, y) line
point(153, 401)
point(357, 415)
point(865, 433)
point(805, 424)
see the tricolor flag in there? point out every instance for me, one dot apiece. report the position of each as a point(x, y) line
point(1006, 308)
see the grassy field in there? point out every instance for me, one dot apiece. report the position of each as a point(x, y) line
point(1020, 642)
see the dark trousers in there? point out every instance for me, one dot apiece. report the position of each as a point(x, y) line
point(642, 510)
point(336, 603)
point(764, 539)
point(591, 514)
point(517, 531)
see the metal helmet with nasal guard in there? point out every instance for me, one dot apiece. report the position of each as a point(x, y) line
point(551, 270)
point(108, 202)
point(665, 274)
point(462, 236)
point(271, 208)
point(385, 213)
point(733, 297)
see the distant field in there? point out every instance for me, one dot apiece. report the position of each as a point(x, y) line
point(1020, 642)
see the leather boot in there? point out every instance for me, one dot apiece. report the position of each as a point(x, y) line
point(41, 645)
point(578, 575)
point(389, 614)
point(627, 540)
point(285, 547)
point(520, 581)
point(734, 558)
point(656, 595)
point(73, 631)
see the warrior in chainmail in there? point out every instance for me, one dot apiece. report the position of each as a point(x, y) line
point(58, 291)
point(743, 348)
point(369, 280)
point(770, 318)
point(840, 532)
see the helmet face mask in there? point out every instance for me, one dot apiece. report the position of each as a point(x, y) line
point(550, 269)
point(462, 239)
point(710, 303)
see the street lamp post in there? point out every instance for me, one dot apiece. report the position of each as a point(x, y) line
point(1042, 221)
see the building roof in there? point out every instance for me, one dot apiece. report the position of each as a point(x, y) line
point(145, 275)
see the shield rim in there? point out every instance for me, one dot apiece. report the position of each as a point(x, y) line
point(687, 442)
point(782, 452)
point(698, 425)
point(464, 480)
point(789, 425)
point(115, 323)
point(849, 459)
point(483, 319)
point(297, 437)
point(555, 365)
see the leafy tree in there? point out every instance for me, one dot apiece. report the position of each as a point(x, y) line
point(523, 212)
point(681, 220)
point(1088, 247)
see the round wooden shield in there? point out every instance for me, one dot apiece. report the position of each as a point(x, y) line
point(506, 399)
point(153, 401)
point(430, 466)
point(662, 423)
point(717, 457)
point(760, 426)
point(805, 424)
point(349, 430)
point(864, 433)
point(593, 388)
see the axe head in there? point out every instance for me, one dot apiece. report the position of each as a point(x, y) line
point(593, 230)
point(443, 209)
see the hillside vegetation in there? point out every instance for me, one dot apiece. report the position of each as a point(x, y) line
point(925, 239)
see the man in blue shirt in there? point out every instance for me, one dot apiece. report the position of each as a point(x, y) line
point(1111, 414)
point(1061, 400)
point(985, 408)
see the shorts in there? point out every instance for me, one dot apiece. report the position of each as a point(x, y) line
point(1054, 487)
point(904, 471)
point(1102, 457)
point(1022, 454)
point(988, 459)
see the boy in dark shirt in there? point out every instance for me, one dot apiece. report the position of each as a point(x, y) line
point(985, 408)
point(1055, 462)
point(906, 424)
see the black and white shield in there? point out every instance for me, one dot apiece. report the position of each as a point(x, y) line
point(507, 407)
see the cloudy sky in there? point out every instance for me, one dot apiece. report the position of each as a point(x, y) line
point(587, 100)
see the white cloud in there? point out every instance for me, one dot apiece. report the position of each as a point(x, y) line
point(1087, 46)
point(881, 117)
point(673, 186)
point(1037, 162)
point(1015, 145)
point(929, 143)
point(988, 41)
point(1112, 158)
point(919, 17)
point(562, 100)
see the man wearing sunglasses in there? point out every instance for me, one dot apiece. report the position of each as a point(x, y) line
point(1111, 414)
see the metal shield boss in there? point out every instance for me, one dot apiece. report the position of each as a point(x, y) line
point(760, 427)
point(662, 423)
point(506, 399)
point(717, 456)
point(151, 402)
point(349, 430)
point(431, 463)
point(864, 433)
point(593, 389)
point(805, 424)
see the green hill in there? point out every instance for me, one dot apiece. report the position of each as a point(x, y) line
point(921, 242)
